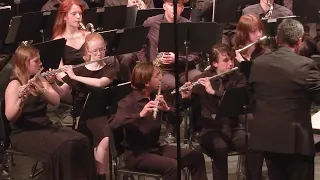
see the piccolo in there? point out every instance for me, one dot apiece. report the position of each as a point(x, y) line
point(24, 90)
point(249, 45)
point(56, 71)
point(212, 77)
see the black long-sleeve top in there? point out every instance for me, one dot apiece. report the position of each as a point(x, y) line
point(141, 133)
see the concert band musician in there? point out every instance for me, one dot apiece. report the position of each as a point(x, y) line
point(219, 135)
point(284, 85)
point(262, 8)
point(55, 4)
point(249, 29)
point(31, 130)
point(142, 149)
point(89, 77)
point(109, 3)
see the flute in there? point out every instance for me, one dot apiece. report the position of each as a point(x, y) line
point(155, 110)
point(251, 44)
point(212, 77)
point(56, 71)
point(24, 90)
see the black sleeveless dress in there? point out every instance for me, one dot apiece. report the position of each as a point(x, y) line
point(66, 153)
point(73, 56)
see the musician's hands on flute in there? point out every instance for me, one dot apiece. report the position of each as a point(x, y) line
point(239, 57)
point(24, 92)
point(186, 93)
point(163, 106)
point(69, 70)
point(148, 108)
point(51, 78)
point(207, 85)
point(168, 58)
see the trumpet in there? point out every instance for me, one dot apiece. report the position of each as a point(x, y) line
point(56, 71)
point(249, 45)
point(88, 27)
point(212, 77)
point(155, 110)
point(140, 4)
point(24, 90)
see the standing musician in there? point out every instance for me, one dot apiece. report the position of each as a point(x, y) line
point(31, 130)
point(284, 85)
point(267, 9)
point(141, 142)
point(88, 77)
point(219, 134)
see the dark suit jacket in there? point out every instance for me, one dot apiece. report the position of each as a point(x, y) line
point(284, 85)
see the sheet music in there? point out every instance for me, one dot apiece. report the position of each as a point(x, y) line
point(315, 120)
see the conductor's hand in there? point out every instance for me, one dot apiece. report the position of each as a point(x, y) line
point(163, 106)
point(207, 85)
point(186, 93)
point(168, 58)
point(147, 108)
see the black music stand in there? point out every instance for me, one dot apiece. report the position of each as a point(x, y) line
point(114, 18)
point(94, 16)
point(143, 15)
point(309, 9)
point(235, 102)
point(51, 52)
point(192, 37)
point(49, 18)
point(5, 18)
point(125, 40)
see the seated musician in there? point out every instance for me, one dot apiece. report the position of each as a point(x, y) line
point(84, 79)
point(66, 154)
point(249, 30)
point(141, 142)
point(55, 4)
point(219, 135)
point(147, 3)
point(265, 9)
point(167, 60)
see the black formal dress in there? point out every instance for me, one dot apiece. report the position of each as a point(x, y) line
point(66, 153)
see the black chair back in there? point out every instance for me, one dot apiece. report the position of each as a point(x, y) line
point(4, 127)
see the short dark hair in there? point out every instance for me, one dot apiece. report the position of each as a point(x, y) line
point(221, 48)
point(141, 75)
point(289, 32)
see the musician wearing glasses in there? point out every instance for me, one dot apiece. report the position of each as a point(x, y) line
point(219, 135)
point(85, 79)
point(32, 132)
point(284, 85)
point(267, 9)
point(142, 130)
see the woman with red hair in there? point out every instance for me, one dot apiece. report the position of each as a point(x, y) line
point(67, 26)
point(249, 29)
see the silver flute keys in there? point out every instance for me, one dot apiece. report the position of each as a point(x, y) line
point(24, 90)
point(155, 110)
point(212, 77)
